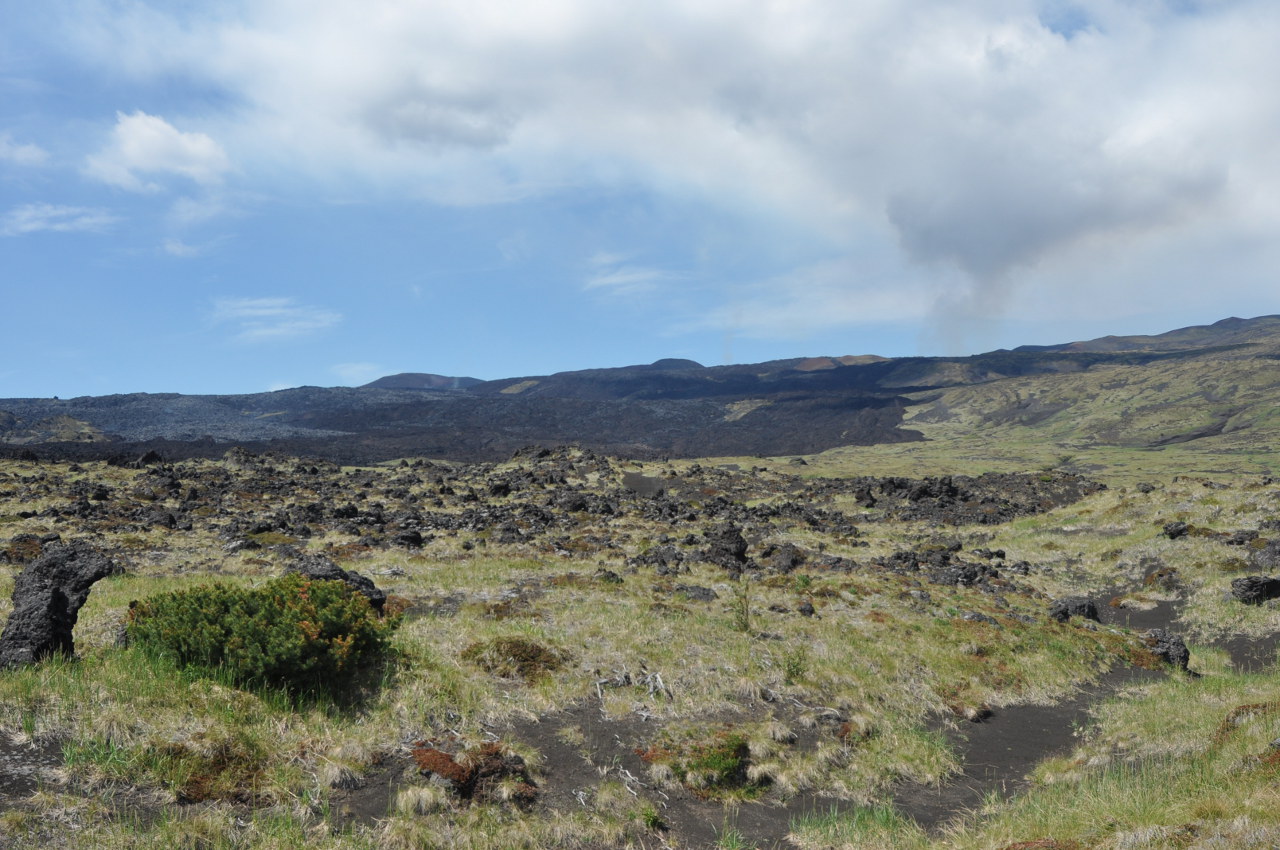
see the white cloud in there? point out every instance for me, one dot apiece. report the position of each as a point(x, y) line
point(34, 218)
point(20, 154)
point(819, 297)
point(143, 144)
point(178, 248)
point(976, 144)
point(270, 319)
point(355, 374)
point(612, 273)
point(186, 212)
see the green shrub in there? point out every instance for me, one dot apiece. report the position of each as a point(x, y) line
point(292, 633)
point(712, 767)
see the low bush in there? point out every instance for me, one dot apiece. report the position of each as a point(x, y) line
point(514, 657)
point(292, 633)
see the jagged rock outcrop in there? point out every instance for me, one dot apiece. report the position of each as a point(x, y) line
point(1073, 606)
point(1168, 647)
point(320, 568)
point(47, 597)
point(726, 547)
point(1254, 590)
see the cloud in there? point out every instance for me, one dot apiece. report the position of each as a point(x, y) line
point(271, 319)
point(143, 144)
point(355, 374)
point(974, 144)
point(34, 218)
point(186, 212)
point(19, 154)
point(821, 296)
point(178, 248)
point(612, 273)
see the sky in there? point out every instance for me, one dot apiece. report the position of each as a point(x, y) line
point(225, 197)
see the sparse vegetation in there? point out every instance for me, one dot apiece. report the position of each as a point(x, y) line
point(564, 639)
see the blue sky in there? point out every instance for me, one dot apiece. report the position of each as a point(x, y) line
point(241, 196)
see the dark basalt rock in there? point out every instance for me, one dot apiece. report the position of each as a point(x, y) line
point(409, 538)
point(1266, 558)
point(47, 597)
point(697, 593)
point(1073, 606)
point(726, 547)
point(668, 559)
point(1254, 590)
point(782, 557)
point(1174, 530)
point(320, 568)
point(1168, 647)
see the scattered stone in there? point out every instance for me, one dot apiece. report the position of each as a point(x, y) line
point(411, 538)
point(1267, 557)
point(1167, 646)
point(1254, 590)
point(697, 593)
point(1073, 606)
point(320, 568)
point(782, 557)
point(726, 547)
point(47, 597)
point(1174, 530)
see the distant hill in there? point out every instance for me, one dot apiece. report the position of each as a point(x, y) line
point(1231, 331)
point(422, 381)
point(1219, 381)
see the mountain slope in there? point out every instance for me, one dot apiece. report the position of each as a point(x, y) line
point(1207, 382)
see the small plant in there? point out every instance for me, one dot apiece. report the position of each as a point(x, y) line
point(795, 664)
point(489, 773)
point(292, 633)
point(859, 826)
point(514, 657)
point(651, 818)
point(712, 767)
point(731, 839)
point(740, 606)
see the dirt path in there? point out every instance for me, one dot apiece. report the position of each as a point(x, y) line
point(999, 752)
point(25, 766)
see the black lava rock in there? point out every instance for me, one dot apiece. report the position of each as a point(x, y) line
point(320, 568)
point(47, 597)
point(1254, 590)
point(1169, 647)
point(1073, 606)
